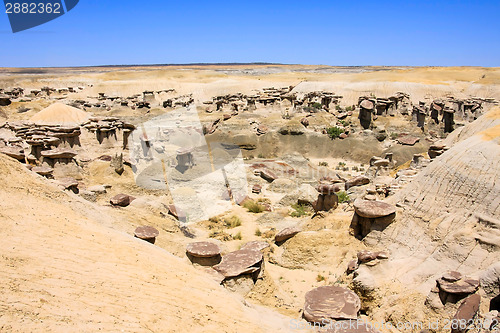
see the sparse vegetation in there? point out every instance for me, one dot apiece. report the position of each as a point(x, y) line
point(350, 108)
point(338, 108)
point(254, 207)
point(342, 164)
point(334, 132)
point(323, 163)
point(394, 135)
point(258, 233)
point(343, 197)
point(320, 278)
point(299, 210)
point(317, 105)
point(232, 222)
point(270, 233)
point(237, 236)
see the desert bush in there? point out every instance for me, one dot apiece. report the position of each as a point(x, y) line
point(343, 197)
point(349, 108)
point(299, 210)
point(237, 236)
point(232, 222)
point(334, 132)
point(258, 233)
point(253, 206)
point(323, 164)
point(320, 278)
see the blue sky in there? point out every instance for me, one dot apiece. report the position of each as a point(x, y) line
point(419, 33)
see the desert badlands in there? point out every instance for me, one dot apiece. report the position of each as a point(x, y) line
point(250, 198)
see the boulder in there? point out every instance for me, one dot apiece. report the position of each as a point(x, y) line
point(268, 175)
point(466, 313)
point(4, 100)
point(357, 181)
point(331, 302)
point(326, 202)
point(382, 163)
point(373, 209)
point(240, 262)
point(98, 189)
point(408, 140)
point(70, 184)
point(122, 200)
point(285, 234)
point(352, 266)
point(462, 286)
point(367, 256)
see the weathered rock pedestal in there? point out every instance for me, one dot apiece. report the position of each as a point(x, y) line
point(365, 113)
point(371, 215)
point(327, 199)
point(146, 233)
point(203, 253)
point(448, 120)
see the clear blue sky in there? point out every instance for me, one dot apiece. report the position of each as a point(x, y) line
point(108, 32)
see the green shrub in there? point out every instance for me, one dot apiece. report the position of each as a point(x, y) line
point(237, 236)
point(343, 197)
point(232, 222)
point(320, 278)
point(299, 210)
point(342, 164)
point(323, 164)
point(394, 135)
point(317, 105)
point(334, 132)
point(258, 233)
point(349, 108)
point(338, 108)
point(253, 206)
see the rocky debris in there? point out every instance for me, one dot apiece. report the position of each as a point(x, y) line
point(436, 149)
point(256, 188)
point(408, 140)
point(466, 313)
point(59, 153)
point(371, 215)
point(43, 171)
point(255, 246)
point(367, 256)
point(304, 121)
point(122, 200)
point(262, 129)
point(357, 181)
point(330, 302)
point(177, 213)
point(285, 234)
point(240, 262)
point(146, 233)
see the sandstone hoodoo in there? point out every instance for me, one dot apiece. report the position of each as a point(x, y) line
point(371, 215)
point(324, 304)
point(121, 200)
point(203, 253)
point(146, 233)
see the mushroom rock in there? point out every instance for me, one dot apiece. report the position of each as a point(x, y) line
point(466, 312)
point(146, 233)
point(203, 253)
point(14, 152)
point(122, 200)
point(285, 234)
point(357, 181)
point(256, 189)
point(328, 188)
point(461, 286)
point(327, 199)
point(331, 303)
point(240, 262)
point(255, 246)
point(59, 153)
point(371, 215)
point(43, 171)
